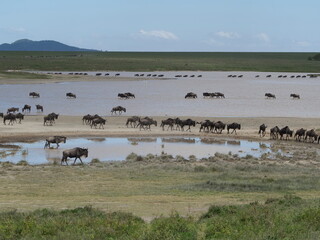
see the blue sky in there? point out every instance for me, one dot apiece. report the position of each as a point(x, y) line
point(166, 25)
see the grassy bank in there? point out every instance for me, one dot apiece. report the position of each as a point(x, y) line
point(158, 61)
point(288, 217)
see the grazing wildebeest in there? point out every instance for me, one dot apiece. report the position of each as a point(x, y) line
point(206, 125)
point(13, 110)
point(191, 95)
point(268, 76)
point(98, 74)
point(34, 94)
point(262, 130)
point(219, 126)
point(146, 123)
point(122, 96)
point(74, 153)
point(71, 95)
point(26, 108)
point(11, 117)
point(130, 95)
point(218, 95)
point(56, 140)
point(295, 96)
point(178, 76)
point(19, 116)
point(207, 94)
point(274, 132)
point(270, 95)
point(300, 133)
point(118, 109)
point(86, 119)
point(117, 74)
point(285, 131)
point(311, 134)
point(233, 126)
point(133, 121)
point(169, 122)
point(98, 121)
point(39, 108)
point(189, 122)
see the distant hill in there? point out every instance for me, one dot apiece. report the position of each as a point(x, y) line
point(45, 45)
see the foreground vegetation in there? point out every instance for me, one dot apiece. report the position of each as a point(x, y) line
point(158, 61)
point(288, 217)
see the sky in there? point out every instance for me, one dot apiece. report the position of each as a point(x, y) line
point(166, 25)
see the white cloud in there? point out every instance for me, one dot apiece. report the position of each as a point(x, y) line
point(159, 34)
point(263, 37)
point(229, 35)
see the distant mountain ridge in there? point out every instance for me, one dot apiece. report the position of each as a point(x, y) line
point(44, 45)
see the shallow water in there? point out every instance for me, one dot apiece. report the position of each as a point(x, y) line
point(106, 149)
point(160, 97)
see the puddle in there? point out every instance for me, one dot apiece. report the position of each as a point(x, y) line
point(106, 149)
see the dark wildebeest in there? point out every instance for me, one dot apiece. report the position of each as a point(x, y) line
point(19, 116)
point(122, 96)
point(274, 132)
point(170, 122)
point(34, 94)
point(268, 76)
point(311, 134)
point(11, 117)
point(218, 95)
point(219, 126)
point(74, 153)
point(26, 108)
point(56, 140)
point(189, 122)
point(133, 121)
point(270, 95)
point(146, 123)
point(207, 94)
point(13, 110)
point(86, 119)
point(300, 133)
point(50, 118)
point(295, 96)
point(191, 95)
point(262, 130)
point(70, 95)
point(119, 109)
point(98, 121)
point(130, 95)
point(39, 108)
point(233, 126)
point(285, 131)
point(206, 125)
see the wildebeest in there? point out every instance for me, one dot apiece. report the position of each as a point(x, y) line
point(285, 131)
point(270, 95)
point(268, 76)
point(300, 133)
point(11, 117)
point(122, 96)
point(26, 108)
point(133, 121)
point(118, 109)
point(130, 95)
point(206, 125)
point(19, 116)
point(311, 134)
point(170, 122)
point(34, 94)
point(233, 126)
point(39, 108)
point(262, 130)
point(74, 153)
point(50, 118)
point(295, 96)
point(188, 122)
point(55, 140)
point(98, 121)
point(219, 126)
point(191, 95)
point(13, 110)
point(274, 132)
point(70, 95)
point(218, 95)
point(146, 123)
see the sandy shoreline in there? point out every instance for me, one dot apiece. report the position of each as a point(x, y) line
point(32, 128)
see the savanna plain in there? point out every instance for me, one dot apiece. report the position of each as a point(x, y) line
point(159, 196)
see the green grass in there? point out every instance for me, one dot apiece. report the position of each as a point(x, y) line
point(158, 61)
point(288, 217)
